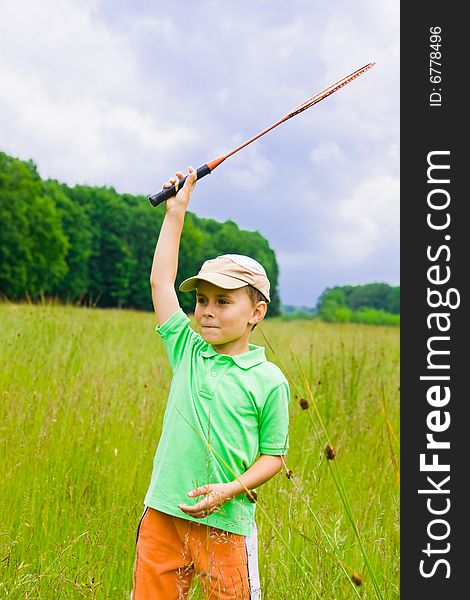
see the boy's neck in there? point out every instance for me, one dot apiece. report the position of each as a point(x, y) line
point(239, 346)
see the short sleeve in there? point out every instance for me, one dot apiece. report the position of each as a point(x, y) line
point(274, 422)
point(177, 336)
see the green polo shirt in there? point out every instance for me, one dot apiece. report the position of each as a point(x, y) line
point(236, 404)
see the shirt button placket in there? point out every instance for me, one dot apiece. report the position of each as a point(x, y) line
point(208, 385)
point(212, 380)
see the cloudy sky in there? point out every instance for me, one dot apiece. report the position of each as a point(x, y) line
point(124, 93)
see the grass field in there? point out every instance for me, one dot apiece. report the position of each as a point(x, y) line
point(83, 393)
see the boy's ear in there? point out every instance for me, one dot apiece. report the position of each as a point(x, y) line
point(259, 312)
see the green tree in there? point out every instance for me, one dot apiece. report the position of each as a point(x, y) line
point(111, 259)
point(143, 228)
point(330, 302)
point(375, 303)
point(73, 285)
point(371, 295)
point(32, 244)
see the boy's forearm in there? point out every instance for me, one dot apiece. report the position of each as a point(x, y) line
point(216, 494)
point(260, 472)
point(165, 259)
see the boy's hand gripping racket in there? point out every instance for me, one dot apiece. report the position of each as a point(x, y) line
point(166, 193)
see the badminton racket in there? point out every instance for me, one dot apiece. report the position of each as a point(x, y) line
point(206, 169)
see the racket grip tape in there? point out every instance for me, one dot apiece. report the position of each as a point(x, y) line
point(166, 193)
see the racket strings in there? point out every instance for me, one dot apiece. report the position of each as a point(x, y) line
point(328, 91)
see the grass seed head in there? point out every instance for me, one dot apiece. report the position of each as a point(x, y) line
point(252, 496)
point(356, 578)
point(330, 452)
point(304, 403)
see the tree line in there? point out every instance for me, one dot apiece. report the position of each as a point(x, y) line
point(93, 246)
point(373, 303)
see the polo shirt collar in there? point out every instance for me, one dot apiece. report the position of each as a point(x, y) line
point(253, 357)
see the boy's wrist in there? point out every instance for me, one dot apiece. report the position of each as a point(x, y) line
point(176, 214)
point(234, 489)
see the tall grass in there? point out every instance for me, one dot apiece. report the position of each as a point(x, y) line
point(82, 395)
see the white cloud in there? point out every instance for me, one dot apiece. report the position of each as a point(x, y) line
point(327, 152)
point(72, 101)
point(366, 223)
point(250, 170)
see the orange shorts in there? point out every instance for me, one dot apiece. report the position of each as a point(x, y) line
point(171, 551)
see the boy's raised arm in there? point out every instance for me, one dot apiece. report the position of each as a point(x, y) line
point(165, 259)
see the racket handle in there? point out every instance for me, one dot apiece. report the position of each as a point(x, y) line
point(166, 193)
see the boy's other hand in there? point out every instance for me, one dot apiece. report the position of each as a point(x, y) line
point(179, 203)
point(215, 495)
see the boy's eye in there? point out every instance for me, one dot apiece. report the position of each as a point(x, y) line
point(220, 301)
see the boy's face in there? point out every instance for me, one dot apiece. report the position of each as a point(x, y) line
point(226, 317)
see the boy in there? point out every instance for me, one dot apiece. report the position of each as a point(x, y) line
point(226, 406)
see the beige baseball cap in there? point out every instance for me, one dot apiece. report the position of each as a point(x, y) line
point(231, 271)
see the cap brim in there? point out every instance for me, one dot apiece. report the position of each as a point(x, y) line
point(219, 279)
